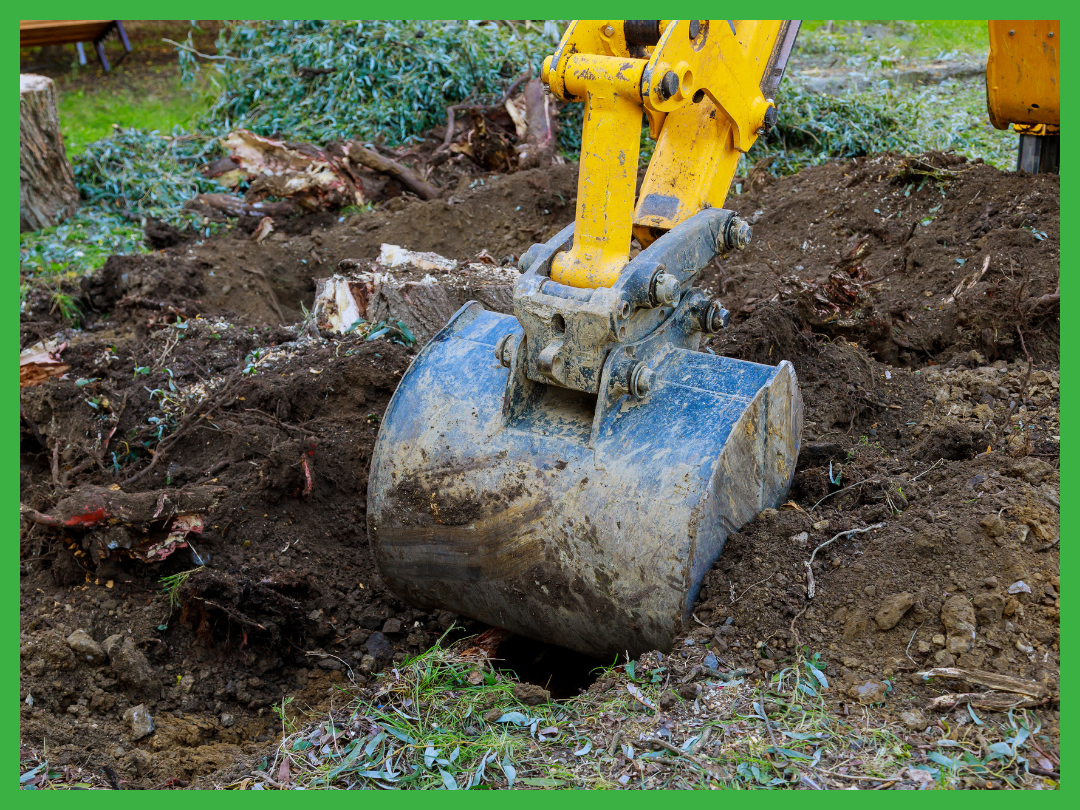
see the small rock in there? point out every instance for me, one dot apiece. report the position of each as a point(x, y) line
point(993, 525)
point(871, 692)
point(530, 694)
point(128, 662)
point(227, 720)
point(1019, 587)
point(141, 723)
point(821, 525)
point(854, 626)
point(493, 715)
point(1023, 646)
point(892, 610)
point(944, 658)
point(990, 582)
point(85, 647)
point(924, 647)
point(802, 539)
point(689, 691)
point(938, 639)
point(989, 608)
point(983, 413)
point(667, 700)
point(870, 590)
point(392, 626)
point(959, 619)
point(1032, 470)
point(766, 665)
point(367, 664)
point(926, 544)
point(379, 645)
point(913, 719)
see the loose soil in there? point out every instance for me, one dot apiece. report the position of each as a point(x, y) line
point(923, 413)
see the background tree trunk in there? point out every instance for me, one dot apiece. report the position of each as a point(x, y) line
point(47, 192)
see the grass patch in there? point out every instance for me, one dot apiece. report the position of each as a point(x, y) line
point(895, 41)
point(444, 720)
point(161, 104)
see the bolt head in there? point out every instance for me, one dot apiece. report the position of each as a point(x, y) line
point(667, 289)
point(716, 318)
point(641, 380)
point(609, 31)
point(739, 234)
point(669, 86)
point(502, 355)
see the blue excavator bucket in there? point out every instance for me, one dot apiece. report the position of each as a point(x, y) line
point(577, 519)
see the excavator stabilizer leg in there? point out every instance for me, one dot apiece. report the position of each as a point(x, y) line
point(578, 519)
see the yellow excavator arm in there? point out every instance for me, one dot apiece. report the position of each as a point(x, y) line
point(706, 87)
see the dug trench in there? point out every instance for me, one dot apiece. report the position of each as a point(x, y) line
point(909, 294)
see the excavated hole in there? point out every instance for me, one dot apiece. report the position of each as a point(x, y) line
point(564, 673)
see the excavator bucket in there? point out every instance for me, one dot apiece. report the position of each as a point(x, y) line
point(577, 519)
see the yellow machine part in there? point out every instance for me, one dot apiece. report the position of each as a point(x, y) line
point(710, 111)
point(1023, 73)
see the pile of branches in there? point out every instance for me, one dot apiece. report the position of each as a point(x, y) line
point(388, 80)
point(814, 128)
point(139, 174)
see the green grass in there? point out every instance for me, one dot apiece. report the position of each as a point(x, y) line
point(442, 720)
point(912, 39)
point(87, 115)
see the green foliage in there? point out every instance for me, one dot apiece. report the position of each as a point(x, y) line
point(145, 174)
point(814, 127)
point(391, 79)
point(77, 246)
point(123, 179)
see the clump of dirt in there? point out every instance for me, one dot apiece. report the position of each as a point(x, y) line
point(196, 368)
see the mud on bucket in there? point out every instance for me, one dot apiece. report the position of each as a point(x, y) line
point(578, 521)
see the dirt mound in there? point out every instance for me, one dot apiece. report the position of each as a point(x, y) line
point(938, 256)
point(189, 374)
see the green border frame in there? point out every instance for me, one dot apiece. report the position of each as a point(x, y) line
point(426, 9)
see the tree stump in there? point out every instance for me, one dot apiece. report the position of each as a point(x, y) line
point(47, 192)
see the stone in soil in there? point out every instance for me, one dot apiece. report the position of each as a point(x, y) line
point(959, 619)
point(142, 724)
point(86, 648)
point(892, 610)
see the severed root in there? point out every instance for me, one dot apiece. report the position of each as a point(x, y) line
point(89, 506)
point(358, 153)
point(1002, 683)
point(995, 701)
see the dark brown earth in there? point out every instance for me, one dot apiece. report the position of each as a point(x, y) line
point(927, 413)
